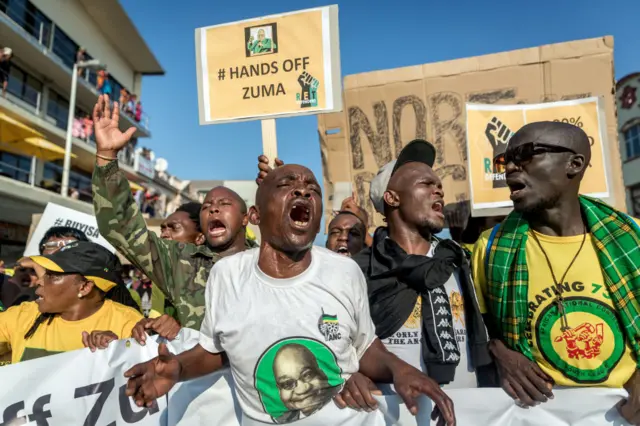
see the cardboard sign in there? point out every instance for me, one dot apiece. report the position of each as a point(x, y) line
point(56, 215)
point(489, 128)
point(385, 110)
point(275, 66)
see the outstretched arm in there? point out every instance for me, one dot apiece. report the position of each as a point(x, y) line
point(119, 218)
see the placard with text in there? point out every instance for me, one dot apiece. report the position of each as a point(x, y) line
point(489, 128)
point(275, 66)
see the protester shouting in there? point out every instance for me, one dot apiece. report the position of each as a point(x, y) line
point(21, 286)
point(558, 279)
point(422, 299)
point(292, 318)
point(79, 287)
point(180, 270)
point(347, 234)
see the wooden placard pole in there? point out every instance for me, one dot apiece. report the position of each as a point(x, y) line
point(269, 140)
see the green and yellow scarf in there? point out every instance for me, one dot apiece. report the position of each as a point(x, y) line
point(617, 241)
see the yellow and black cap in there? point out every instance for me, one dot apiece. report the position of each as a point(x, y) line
point(88, 259)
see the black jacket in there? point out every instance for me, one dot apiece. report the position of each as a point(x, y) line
point(395, 280)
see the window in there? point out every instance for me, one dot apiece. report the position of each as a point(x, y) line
point(29, 17)
point(58, 109)
point(632, 140)
point(24, 86)
point(16, 167)
point(115, 88)
point(52, 175)
point(64, 47)
point(90, 74)
point(635, 200)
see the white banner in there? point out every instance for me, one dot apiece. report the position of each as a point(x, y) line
point(56, 215)
point(84, 388)
point(76, 388)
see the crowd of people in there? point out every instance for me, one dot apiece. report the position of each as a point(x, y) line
point(542, 299)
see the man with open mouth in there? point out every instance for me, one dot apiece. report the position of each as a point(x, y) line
point(179, 269)
point(347, 234)
point(422, 298)
point(558, 279)
point(293, 320)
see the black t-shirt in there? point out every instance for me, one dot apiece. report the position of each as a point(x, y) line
point(5, 68)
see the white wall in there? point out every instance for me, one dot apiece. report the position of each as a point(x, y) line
point(72, 18)
point(245, 188)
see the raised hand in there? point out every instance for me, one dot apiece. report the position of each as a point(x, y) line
point(150, 380)
point(109, 138)
point(264, 168)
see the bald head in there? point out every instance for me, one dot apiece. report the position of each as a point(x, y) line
point(223, 191)
point(288, 172)
point(554, 133)
point(288, 209)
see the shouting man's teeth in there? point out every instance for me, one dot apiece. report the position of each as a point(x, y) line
point(300, 215)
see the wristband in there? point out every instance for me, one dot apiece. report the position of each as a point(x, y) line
point(106, 158)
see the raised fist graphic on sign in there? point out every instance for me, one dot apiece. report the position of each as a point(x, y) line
point(498, 135)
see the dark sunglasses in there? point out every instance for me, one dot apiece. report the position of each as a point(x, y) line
point(524, 153)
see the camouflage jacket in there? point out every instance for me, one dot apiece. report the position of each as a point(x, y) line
point(180, 270)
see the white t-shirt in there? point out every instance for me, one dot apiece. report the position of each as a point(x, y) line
point(406, 342)
point(292, 343)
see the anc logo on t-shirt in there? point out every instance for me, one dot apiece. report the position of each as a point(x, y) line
point(329, 327)
point(594, 339)
point(295, 377)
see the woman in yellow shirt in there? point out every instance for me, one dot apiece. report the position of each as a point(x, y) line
point(73, 309)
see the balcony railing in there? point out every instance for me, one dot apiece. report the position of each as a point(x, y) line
point(79, 186)
point(44, 32)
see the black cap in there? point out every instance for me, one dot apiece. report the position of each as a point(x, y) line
point(417, 150)
point(91, 260)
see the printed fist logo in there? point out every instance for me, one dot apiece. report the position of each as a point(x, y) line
point(308, 96)
point(498, 134)
point(584, 341)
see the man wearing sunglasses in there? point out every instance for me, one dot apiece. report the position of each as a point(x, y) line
point(557, 280)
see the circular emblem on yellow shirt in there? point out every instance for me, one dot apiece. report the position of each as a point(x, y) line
point(590, 349)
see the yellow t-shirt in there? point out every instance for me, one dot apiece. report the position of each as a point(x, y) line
point(60, 335)
point(594, 352)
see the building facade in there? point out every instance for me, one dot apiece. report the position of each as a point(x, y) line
point(628, 103)
point(46, 38)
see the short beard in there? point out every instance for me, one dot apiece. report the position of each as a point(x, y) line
point(429, 228)
point(543, 204)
